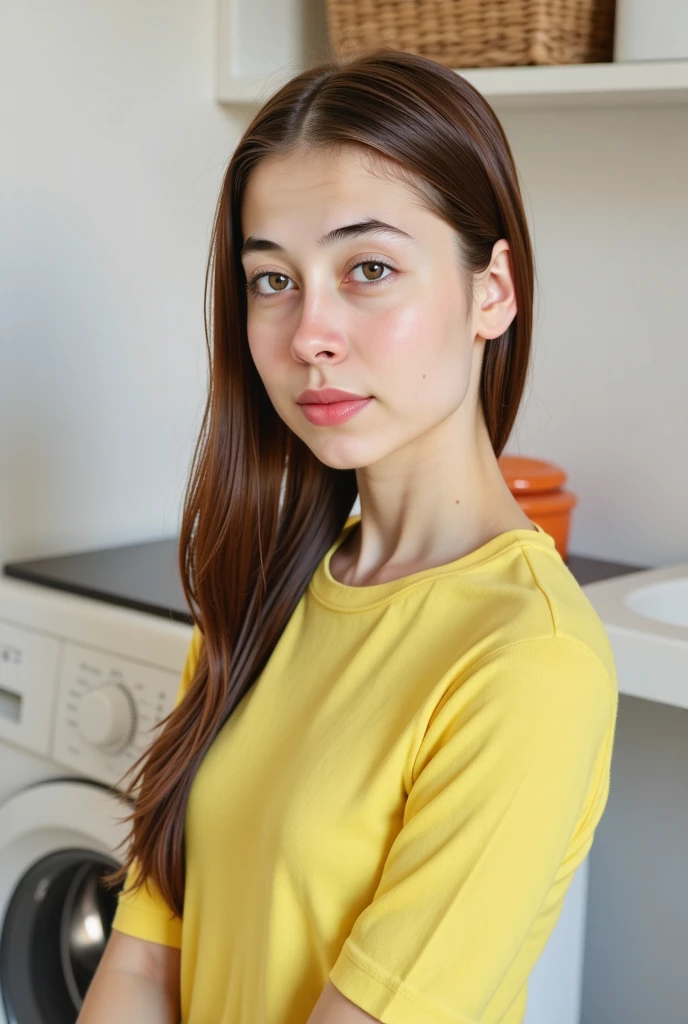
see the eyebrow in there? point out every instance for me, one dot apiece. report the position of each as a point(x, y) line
point(364, 227)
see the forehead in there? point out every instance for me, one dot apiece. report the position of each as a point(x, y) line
point(310, 184)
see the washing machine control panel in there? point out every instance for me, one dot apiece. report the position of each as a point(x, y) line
point(106, 716)
point(108, 710)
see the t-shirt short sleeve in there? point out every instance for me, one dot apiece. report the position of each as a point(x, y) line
point(508, 784)
point(144, 913)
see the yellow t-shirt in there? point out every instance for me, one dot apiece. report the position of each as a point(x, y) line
point(400, 801)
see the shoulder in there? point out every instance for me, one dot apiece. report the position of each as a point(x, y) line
point(530, 643)
point(568, 614)
point(546, 676)
point(538, 697)
point(524, 593)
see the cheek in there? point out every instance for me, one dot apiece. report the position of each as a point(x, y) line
point(419, 354)
point(275, 367)
point(266, 352)
point(395, 342)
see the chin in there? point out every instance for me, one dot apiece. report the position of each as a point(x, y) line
point(337, 454)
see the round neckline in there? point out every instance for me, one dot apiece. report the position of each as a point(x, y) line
point(342, 596)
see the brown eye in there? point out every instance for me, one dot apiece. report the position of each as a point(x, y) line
point(272, 277)
point(377, 267)
point(371, 263)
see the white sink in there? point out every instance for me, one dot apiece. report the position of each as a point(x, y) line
point(645, 615)
point(664, 602)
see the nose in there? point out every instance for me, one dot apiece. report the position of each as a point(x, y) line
point(317, 340)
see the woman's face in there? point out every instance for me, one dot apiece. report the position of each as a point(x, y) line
point(394, 329)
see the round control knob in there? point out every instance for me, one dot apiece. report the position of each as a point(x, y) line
point(107, 716)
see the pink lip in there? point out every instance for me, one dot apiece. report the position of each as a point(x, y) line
point(312, 396)
point(332, 413)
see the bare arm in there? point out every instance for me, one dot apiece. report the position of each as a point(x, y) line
point(334, 1008)
point(136, 981)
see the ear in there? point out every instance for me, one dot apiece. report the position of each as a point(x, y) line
point(495, 303)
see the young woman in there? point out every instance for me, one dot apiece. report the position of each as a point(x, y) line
point(392, 742)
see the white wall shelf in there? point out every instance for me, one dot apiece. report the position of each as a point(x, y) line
point(260, 45)
point(584, 84)
point(639, 82)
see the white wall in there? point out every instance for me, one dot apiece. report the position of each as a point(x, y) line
point(116, 151)
point(113, 152)
point(608, 400)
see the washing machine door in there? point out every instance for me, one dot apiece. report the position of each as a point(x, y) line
point(56, 840)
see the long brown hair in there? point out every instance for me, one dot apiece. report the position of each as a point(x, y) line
point(260, 509)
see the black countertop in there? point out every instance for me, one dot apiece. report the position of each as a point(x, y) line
point(145, 576)
point(142, 576)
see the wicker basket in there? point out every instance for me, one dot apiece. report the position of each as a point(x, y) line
point(477, 33)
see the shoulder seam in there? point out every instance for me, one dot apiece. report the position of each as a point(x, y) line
point(539, 639)
point(541, 589)
point(556, 634)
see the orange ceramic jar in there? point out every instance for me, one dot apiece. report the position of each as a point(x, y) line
point(538, 487)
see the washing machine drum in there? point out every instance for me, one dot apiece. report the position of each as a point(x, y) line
point(57, 839)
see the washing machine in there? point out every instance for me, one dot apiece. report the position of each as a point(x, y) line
point(89, 665)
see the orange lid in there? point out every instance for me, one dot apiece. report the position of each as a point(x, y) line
point(530, 476)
